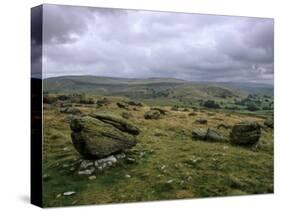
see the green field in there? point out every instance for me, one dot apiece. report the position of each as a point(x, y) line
point(166, 163)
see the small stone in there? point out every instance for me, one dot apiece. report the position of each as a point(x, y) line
point(87, 171)
point(163, 167)
point(131, 160)
point(93, 177)
point(85, 164)
point(69, 193)
point(170, 181)
point(121, 156)
point(128, 176)
point(65, 149)
point(58, 196)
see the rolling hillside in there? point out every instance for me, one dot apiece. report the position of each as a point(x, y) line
point(153, 88)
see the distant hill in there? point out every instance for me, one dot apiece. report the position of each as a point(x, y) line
point(152, 87)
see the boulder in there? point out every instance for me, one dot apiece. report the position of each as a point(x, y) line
point(207, 135)
point(199, 134)
point(122, 105)
point(117, 122)
point(192, 114)
point(98, 136)
point(102, 102)
point(245, 133)
point(225, 126)
point(152, 114)
point(126, 115)
point(213, 135)
point(133, 103)
point(71, 110)
point(201, 121)
point(161, 110)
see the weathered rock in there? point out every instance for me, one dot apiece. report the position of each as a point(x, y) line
point(133, 103)
point(152, 114)
point(192, 114)
point(269, 123)
point(161, 110)
point(99, 136)
point(117, 122)
point(123, 105)
point(126, 115)
point(225, 126)
point(213, 135)
point(207, 135)
point(102, 102)
point(71, 110)
point(199, 134)
point(201, 121)
point(245, 133)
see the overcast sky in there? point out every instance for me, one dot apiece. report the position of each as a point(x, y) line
point(141, 44)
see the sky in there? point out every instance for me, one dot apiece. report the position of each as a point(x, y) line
point(143, 44)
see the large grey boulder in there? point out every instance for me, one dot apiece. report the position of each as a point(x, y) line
point(245, 133)
point(101, 135)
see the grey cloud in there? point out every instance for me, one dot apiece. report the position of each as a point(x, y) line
point(129, 43)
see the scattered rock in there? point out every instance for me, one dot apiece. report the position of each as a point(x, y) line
point(201, 121)
point(213, 135)
point(121, 155)
point(86, 164)
point(98, 136)
point(152, 114)
point(122, 105)
point(208, 135)
point(133, 103)
point(71, 110)
point(225, 126)
point(199, 134)
point(102, 102)
point(128, 176)
point(170, 181)
point(192, 114)
point(58, 196)
point(126, 115)
point(130, 160)
point(161, 110)
point(93, 177)
point(245, 133)
point(87, 171)
point(69, 193)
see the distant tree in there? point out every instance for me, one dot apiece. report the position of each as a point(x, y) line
point(252, 107)
point(211, 104)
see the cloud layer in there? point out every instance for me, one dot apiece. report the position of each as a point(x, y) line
point(132, 43)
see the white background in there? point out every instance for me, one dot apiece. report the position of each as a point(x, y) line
point(15, 103)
